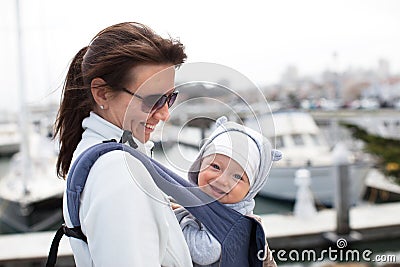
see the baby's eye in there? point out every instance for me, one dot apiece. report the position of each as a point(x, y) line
point(237, 176)
point(215, 166)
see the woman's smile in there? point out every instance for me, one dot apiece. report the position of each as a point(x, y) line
point(149, 127)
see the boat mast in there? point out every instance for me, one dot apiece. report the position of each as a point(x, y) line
point(23, 116)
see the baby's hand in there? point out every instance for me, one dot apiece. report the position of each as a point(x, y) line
point(175, 206)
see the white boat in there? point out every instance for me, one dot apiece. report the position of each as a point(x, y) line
point(31, 196)
point(298, 137)
point(9, 138)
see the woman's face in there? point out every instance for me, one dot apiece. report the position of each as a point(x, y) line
point(129, 112)
point(223, 178)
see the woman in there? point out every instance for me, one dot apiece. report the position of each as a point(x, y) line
point(123, 82)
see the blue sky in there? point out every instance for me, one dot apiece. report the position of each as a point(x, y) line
point(258, 38)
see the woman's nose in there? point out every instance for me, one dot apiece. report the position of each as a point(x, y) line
point(162, 113)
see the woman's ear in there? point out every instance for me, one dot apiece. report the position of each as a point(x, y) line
point(99, 90)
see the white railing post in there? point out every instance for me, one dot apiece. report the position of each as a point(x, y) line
point(304, 207)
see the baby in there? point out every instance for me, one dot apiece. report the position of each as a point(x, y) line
point(232, 167)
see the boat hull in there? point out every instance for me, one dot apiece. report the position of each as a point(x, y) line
point(37, 216)
point(9, 149)
point(281, 185)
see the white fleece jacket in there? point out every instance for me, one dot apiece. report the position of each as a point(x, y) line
point(124, 215)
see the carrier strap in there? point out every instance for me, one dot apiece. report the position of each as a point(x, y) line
point(63, 230)
point(52, 258)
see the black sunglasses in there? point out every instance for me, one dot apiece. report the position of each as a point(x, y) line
point(154, 102)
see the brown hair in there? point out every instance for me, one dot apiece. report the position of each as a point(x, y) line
point(110, 55)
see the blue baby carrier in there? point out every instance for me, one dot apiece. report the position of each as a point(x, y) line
point(241, 237)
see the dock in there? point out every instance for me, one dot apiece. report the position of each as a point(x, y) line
point(369, 222)
point(31, 249)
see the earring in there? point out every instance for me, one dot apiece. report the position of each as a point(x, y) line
point(101, 107)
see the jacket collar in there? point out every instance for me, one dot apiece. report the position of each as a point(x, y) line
point(96, 126)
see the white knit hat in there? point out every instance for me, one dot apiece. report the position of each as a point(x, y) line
point(238, 146)
point(250, 149)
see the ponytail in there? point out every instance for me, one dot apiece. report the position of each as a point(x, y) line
point(75, 105)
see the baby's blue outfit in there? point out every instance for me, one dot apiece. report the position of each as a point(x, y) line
point(204, 249)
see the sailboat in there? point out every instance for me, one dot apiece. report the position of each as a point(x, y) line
point(30, 193)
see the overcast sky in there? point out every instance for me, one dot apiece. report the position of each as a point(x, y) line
point(258, 38)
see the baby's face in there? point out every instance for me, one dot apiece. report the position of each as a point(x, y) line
point(223, 178)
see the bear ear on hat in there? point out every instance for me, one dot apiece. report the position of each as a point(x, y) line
point(276, 155)
point(221, 120)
